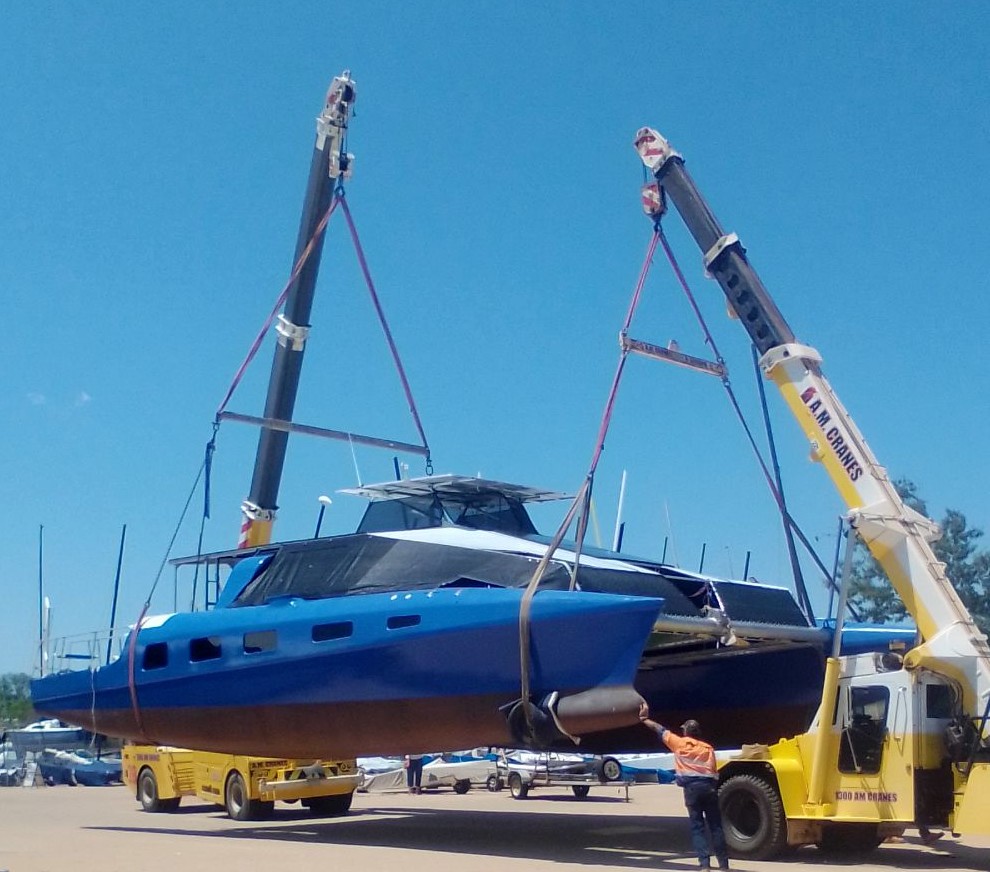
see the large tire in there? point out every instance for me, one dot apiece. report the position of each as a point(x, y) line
point(752, 817)
point(147, 794)
point(517, 787)
point(462, 785)
point(580, 791)
point(849, 839)
point(238, 803)
point(330, 806)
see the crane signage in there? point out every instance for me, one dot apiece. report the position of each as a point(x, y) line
point(865, 796)
point(833, 435)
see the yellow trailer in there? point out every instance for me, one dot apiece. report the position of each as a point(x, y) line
point(246, 786)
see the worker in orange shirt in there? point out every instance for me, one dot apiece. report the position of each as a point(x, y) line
point(695, 771)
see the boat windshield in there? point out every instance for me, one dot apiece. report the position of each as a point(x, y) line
point(496, 512)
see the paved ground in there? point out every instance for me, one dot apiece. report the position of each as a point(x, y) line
point(102, 829)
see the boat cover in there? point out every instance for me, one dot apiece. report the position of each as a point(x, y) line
point(359, 564)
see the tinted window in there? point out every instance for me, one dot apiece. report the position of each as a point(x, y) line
point(155, 656)
point(327, 632)
point(870, 702)
point(938, 701)
point(207, 648)
point(410, 513)
point(262, 640)
point(861, 743)
point(491, 512)
point(494, 512)
point(397, 622)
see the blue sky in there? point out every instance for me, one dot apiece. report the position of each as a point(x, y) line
point(154, 158)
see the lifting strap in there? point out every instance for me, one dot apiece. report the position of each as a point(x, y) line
point(400, 369)
point(727, 384)
point(339, 199)
point(582, 500)
point(132, 646)
point(279, 302)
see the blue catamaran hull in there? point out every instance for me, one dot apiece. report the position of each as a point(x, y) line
point(386, 673)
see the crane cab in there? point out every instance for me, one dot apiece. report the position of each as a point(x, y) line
point(887, 766)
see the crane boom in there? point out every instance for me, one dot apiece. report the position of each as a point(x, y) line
point(897, 536)
point(328, 163)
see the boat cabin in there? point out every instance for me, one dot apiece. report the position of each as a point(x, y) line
point(450, 500)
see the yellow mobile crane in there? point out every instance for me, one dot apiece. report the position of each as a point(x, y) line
point(897, 742)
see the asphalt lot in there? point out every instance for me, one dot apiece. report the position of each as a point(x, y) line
point(51, 829)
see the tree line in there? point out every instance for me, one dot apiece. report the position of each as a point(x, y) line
point(15, 700)
point(967, 567)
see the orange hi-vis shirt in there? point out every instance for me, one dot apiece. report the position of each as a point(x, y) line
point(692, 757)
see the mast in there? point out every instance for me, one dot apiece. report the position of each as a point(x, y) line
point(329, 162)
point(42, 647)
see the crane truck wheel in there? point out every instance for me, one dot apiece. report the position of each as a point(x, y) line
point(238, 801)
point(147, 794)
point(752, 817)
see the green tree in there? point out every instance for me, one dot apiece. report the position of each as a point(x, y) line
point(966, 566)
point(15, 700)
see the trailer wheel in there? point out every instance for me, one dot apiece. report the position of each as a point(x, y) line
point(462, 785)
point(239, 805)
point(611, 769)
point(147, 794)
point(330, 806)
point(517, 787)
point(752, 817)
point(849, 839)
point(580, 791)
point(494, 783)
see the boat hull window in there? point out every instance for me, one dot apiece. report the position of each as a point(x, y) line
point(155, 656)
point(329, 632)
point(206, 648)
point(397, 622)
point(260, 641)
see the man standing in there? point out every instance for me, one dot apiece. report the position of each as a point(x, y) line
point(695, 770)
point(414, 772)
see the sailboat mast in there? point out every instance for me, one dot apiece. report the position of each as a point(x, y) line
point(329, 162)
point(41, 601)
